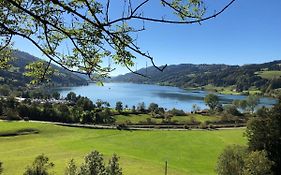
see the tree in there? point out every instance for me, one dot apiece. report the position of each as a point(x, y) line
point(93, 164)
point(113, 167)
point(5, 90)
point(85, 103)
point(71, 168)
point(241, 104)
point(40, 166)
point(231, 161)
point(195, 108)
point(252, 102)
point(119, 106)
point(1, 168)
point(141, 107)
point(264, 133)
point(56, 95)
point(71, 96)
point(89, 32)
point(257, 163)
point(1, 108)
point(231, 109)
point(153, 107)
point(212, 101)
point(133, 109)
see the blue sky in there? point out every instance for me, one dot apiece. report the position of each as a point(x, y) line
point(248, 32)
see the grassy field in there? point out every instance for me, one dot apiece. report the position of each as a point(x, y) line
point(269, 74)
point(230, 90)
point(137, 118)
point(141, 152)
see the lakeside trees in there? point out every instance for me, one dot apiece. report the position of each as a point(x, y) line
point(212, 101)
point(77, 109)
point(119, 106)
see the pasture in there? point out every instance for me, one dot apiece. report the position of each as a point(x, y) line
point(141, 152)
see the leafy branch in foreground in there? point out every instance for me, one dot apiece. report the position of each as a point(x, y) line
point(39, 71)
point(81, 36)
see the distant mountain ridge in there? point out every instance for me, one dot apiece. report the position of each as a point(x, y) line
point(220, 75)
point(16, 77)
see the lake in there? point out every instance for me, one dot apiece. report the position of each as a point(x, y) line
point(165, 96)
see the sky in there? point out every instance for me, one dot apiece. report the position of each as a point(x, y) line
point(247, 32)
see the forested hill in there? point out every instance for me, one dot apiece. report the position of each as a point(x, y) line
point(15, 76)
point(264, 77)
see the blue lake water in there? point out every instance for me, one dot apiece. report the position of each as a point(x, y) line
point(165, 96)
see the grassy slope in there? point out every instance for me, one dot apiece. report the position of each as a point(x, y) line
point(141, 152)
point(269, 74)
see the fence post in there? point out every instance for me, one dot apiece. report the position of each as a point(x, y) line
point(166, 167)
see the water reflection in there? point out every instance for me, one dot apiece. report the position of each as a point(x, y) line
point(167, 97)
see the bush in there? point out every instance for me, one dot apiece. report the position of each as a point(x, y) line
point(257, 163)
point(203, 125)
point(149, 121)
point(122, 126)
point(12, 114)
point(186, 127)
point(231, 161)
point(231, 109)
point(177, 112)
point(71, 168)
point(40, 166)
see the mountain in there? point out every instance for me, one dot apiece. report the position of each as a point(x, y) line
point(15, 76)
point(264, 77)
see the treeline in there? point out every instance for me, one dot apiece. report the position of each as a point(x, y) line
point(189, 75)
point(73, 109)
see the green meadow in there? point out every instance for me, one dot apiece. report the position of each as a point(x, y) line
point(269, 74)
point(141, 152)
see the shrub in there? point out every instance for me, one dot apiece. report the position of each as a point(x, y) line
point(177, 112)
point(231, 161)
point(113, 167)
point(231, 109)
point(122, 126)
point(203, 125)
point(40, 166)
point(257, 163)
point(12, 114)
point(71, 168)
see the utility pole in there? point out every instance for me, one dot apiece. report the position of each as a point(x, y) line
point(166, 167)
